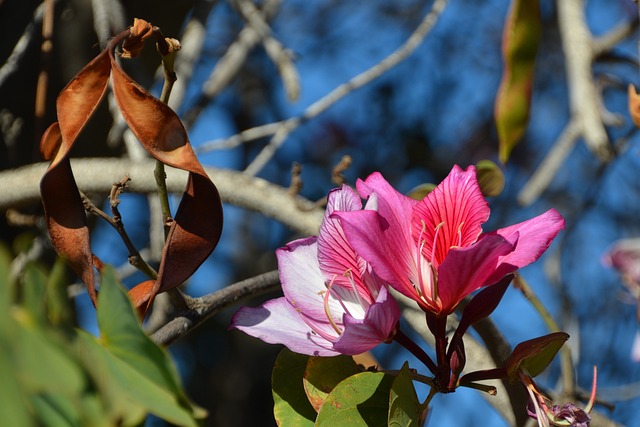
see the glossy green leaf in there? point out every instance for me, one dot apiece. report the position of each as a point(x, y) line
point(404, 407)
point(360, 400)
point(531, 357)
point(519, 47)
point(129, 395)
point(128, 366)
point(490, 178)
point(323, 374)
point(290, 404)
point(121, 334)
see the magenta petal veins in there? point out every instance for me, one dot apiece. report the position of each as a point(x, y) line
point(333, 303)
point(433, 251)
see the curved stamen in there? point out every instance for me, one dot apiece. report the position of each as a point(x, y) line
point(419, 260)
point(435, 240)
point(327, 311)
point(349, 274)
point(434, 278)
point(459, 232)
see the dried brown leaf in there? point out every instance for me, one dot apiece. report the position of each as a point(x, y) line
point(634, 105)
point(64, 213)
point(138, 33)
point(198, 222)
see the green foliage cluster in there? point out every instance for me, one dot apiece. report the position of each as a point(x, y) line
point(54, 374)
point(330, 391)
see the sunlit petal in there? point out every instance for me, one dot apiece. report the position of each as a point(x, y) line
point(451, 215)
point(277, 322)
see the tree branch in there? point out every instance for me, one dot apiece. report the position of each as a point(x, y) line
point(205, 307)
point(577, 43)
point(227, 67)
point(20, 188)
point(287, 126)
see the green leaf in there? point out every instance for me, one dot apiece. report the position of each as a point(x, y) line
point(42, 363)
point(6, 287)
point(360, 400)
point(323, 374)
point(12, 404)
point(121, 334)
point(404, 407)
point(533, 356)
point(129, 395)
point(128, 352)
point(58, 302)
point(34, 291)
point(53, 410)
point(290, 404)
point(520, 45)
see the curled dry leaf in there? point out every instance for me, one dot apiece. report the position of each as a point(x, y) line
point(64, 213)
point(198, 222)
point(139, 32)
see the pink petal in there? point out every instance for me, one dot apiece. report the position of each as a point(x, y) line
point(394, 206)
point(362, 335)
point(335, 255)
point(451, 215)
point(535, 237)
point(384, 246)
point(302, 282)
point(624, 256)
point(468, 269)
point(277, 322)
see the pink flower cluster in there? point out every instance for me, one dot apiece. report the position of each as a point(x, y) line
point(336, 298)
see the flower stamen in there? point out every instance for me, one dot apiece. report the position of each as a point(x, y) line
point(349, 275)
point(419, 259)
point(433, 278)
point(459, 232)
point(327, 310)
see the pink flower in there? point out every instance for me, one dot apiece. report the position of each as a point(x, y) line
point(333, 303)
point(433, 250)
point(624, 256)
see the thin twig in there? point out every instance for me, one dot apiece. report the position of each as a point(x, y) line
point(281, 57)
point(566, 362)
point(584, 99)
point(167, 52)
point(287, 126)
point(337, 173)
point(135, 259)
point(551, 164)
point(296, 180)
point(228, 66)
point(46, 53)
point(205, 307)
point(607, 41)
point(13, 61)
point(108, 18)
